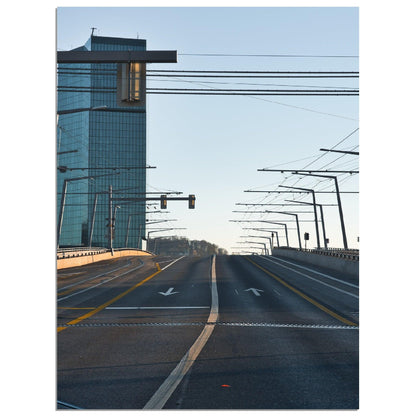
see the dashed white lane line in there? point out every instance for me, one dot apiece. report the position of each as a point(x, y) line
point(158, 400)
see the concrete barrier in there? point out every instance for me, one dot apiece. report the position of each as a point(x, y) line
point(348, 267)
point(82, 260)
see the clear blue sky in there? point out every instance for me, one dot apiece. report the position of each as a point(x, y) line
point(212, 146)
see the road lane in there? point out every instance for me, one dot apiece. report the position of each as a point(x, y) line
point(339, 297)
point(118, 358)
point(273, 351)
point(270, 348)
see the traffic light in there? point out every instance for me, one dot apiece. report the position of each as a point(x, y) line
point(191, 202)
point(306, 236)
point(163, 201)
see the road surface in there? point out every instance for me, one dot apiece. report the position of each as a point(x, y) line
point(222, 332)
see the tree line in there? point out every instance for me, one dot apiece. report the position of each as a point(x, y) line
point(181, 246)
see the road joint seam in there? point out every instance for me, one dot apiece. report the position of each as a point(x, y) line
point(237, 324)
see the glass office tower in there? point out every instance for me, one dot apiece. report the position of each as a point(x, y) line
point(101, 143)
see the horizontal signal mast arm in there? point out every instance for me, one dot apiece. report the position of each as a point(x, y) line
point(102, 57)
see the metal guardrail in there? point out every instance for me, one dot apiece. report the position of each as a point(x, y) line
point(65, 253)
point(350, 254)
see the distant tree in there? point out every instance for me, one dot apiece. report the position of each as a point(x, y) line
point(181, 246)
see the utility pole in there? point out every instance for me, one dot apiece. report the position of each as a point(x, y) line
point(268, 222)
point(314, 209)
point(63, 197)
point(322, 217)
point(297, 223)
point(268, 230)
point(110, 219)
point(93, 218)
point(260, 236)
point(341, 215)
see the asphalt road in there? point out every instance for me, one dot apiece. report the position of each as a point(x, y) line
point(229, 332)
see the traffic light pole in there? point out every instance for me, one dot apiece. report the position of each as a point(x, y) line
point(163, 200)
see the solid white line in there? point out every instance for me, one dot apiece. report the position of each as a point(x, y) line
point(109, 280)
point(313, 271)
point(101, 283)
point(93, 277)
point(316, 280)
point(157, 307)
point(174, 261)
point(159, 399)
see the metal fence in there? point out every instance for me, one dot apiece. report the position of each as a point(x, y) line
point(65, 253)
point(350, 254)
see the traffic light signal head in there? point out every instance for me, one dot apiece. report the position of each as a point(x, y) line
point(306, 236)
point(163, 201)
point(191, 202)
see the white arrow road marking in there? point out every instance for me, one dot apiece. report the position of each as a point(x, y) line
point(255, 291)
point(169, 292)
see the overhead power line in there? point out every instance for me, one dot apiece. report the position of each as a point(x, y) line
point(207, 71)
point(251, 90)
point(191, 91)
point(282, 75)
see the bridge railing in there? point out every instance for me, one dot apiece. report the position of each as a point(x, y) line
point(350, 254)
point(64, 253)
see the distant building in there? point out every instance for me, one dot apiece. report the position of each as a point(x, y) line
point(100, 129)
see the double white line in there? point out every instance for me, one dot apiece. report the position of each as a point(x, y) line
point(163, 393)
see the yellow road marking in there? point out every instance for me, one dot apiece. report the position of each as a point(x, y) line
point(158, 267)
point(298, 292)
point(104, 305)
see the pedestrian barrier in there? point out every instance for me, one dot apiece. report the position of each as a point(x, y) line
point(350, 254)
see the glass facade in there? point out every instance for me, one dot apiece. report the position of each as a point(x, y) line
point(105, 146)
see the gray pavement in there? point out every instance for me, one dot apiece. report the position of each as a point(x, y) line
point(285, 337)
